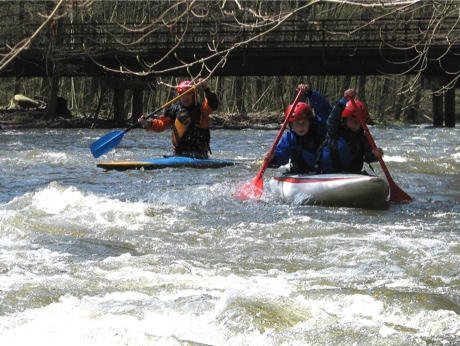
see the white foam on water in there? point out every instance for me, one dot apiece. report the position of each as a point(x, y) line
point(201, 306)
point(57, 203)
point(456, 155)
point(395, 158)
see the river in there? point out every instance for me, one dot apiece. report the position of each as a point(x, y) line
point(171, 257)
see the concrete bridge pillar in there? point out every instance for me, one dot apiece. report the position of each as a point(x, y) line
point(449, 108)
point(438, 110)
point(443, 104)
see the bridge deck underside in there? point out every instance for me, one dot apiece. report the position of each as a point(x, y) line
point(242, 62)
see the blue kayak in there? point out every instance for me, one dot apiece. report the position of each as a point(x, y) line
point(166, 162)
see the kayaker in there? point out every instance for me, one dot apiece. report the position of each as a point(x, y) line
point(307, 131)
point(189, 120)
point(346, 147)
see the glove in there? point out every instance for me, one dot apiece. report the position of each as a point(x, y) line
point(202, 83)
point(143, 121)
point(304, 87)
point(349, 94)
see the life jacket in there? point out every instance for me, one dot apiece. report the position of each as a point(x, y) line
point(341, 156)
point(303, 156)
point(191, 129)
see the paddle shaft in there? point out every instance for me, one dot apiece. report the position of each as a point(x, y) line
point(396, 193)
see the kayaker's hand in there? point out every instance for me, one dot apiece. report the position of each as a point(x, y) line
point(303, 87)
point(378, 152)
point(143, 121)
point(349, 94)
point(202, 83)
point(268, 157)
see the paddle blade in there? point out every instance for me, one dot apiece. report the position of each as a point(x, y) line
point(397, 194)
point(106, 143)
point(251, 190)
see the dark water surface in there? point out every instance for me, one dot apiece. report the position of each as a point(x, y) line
point(170, 257)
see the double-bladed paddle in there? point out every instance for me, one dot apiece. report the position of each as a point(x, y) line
point(109, 141)
point(254, 188)
point(396, 193)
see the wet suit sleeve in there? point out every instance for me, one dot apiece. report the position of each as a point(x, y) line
point(282, 152)
point(334, 121)
point(369, 156)
point(211, 99)
point(160, 124)
point(322, 110)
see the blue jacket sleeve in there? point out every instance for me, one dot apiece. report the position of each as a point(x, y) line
point(369, 156)
point(282, 151)
point(334, 121)
point(322, 110)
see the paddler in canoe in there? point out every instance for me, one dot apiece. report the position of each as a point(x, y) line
point(307, 131)
point(347, 147)
point(189, 120)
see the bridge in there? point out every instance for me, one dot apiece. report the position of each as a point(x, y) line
point(296, 47)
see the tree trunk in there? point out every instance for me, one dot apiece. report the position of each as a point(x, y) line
point(52, 96)
point(383, 99)
point(362, 88)
point(56, 42)
point(119, 106)
point(239, 89)
point(17, 86)
point(137, 105)
point(412, 109)
point(346, 83)
point(399, 106)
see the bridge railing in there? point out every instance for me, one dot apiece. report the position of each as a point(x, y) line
point(132, 38)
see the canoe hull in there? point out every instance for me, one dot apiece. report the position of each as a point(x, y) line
point(165, 162)
point(350, 190)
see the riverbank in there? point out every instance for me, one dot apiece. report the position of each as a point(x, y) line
point(19, 118)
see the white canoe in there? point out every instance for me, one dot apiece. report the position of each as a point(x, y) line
point(348, 190)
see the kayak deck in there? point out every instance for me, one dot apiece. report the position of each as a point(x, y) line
point(166, 162)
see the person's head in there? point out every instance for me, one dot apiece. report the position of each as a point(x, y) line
point(349, 116)
point(186, 100)
point(300, 119)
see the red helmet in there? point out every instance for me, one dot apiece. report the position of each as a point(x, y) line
point(349, 111)
point(184, 86)
point(302, 111)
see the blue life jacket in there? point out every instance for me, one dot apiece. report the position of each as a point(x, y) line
point(341, 156)
point(300, 151)
point(303, 157)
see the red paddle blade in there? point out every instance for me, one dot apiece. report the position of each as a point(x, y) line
point(397, 194)
point(250, 190)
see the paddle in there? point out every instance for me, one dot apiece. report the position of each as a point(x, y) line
point(254, 188)
point(109, 141)
point(396, 193)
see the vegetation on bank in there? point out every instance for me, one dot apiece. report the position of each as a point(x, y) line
point(36, 118)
